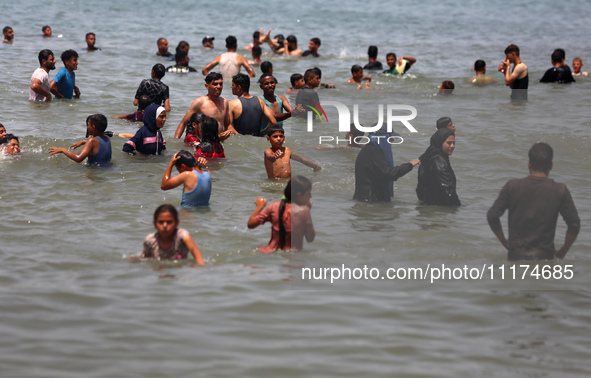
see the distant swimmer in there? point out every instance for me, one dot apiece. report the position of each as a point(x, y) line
point(230, 61)
point(162, 44)
point(481, 78)
point(266, 68)
point(212, 105)
point(256, 56)
point(358, 77)
point(517, 80)
point(577, 65)
point(40, 87)
point(8, 34)
point(90, 41)
point(182, 46)
point(560, 72)
point(534, 203)
point(372, 55)
point(63, 84)
point(182, 63)
point(11, 145)
point(313, 47)
point(447, 87)
point(297, 82)
point(207, 42)
point(46, 30)
point(256, 40)
point(400, 66)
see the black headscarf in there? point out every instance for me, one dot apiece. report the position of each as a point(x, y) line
point(437, 141)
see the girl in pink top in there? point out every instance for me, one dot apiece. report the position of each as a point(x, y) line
point(290, 221)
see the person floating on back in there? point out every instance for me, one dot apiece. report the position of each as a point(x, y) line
point(97, 147)
point(277, 158)
point(196, 182)
point(290, 219)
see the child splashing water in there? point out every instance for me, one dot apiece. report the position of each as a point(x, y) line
point(290, 220)
point(169, 241)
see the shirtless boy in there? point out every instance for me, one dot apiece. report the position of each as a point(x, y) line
point(518, 79)
point(358, 77)
point(211, 105)
point(277, 158)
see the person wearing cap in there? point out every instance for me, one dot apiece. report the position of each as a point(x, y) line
point(230, 61)
point(208, 42)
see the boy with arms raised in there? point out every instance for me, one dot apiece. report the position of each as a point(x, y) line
point(277, 158)
point(97, 147)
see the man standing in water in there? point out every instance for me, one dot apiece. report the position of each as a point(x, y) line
point(534, 203)
point(247, 111)
point(212, 105)
point(230, 62)
point(518, 79)
point(40, 89)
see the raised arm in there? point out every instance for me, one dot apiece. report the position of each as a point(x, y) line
point(168, 182)
point(210, 65)
point(260, 203)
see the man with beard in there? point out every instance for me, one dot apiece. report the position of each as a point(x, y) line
point(40, 87)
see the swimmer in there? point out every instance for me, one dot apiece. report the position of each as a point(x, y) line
point(46, 30)
point(447, 87)
point(11, 146)
point(40, 87)
point(3, 134)
point(182, 63)
point(256, 56)
point(210, 146)
point(162, 44)
point(8, 34)
point(297, 82)
point(97, 147)
point(277, 158)
point(560, 72)
point(196, 182)
point(577, 65)
point(169, 241)
point(193, 129)
point(481, 77)
point(400, 67)
point(267, 67)
point(207, 42)
point(358, 77)
point(256, 41)
point(518, 79)
point(372, 55)
point(90, 41)
point(63, 84)
point(312, 48)
point(290, 219)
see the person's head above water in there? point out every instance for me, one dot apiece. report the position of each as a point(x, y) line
point(444, 122)
point(540, 157)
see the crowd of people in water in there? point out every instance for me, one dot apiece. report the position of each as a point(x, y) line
point(211, 119)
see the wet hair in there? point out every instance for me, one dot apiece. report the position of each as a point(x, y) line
point(356, 68)
point(443, 122)
point(166, 208)
point(45, 27)
point(558, 55)
point(256, 34)
point(318, 71)
point(209, 134)
point(512, 48)
point(182, 45)
point(391, 54)
point(10, 137)
point(309, 74)
point(316, 41)
point(577, 59)
point(292, 39)
point(180, 55)
point(256, 51)
point(6, 29)
point(372, 51)
point(213, 76)
point(274, 129)
point(447, 87)
point(44, 55)
point(479, 65)
point(266, 75)
point(231, 42)
point(144, 101)
point(294, 78)
point(160, 40)
point(89, 34)
point(159, 70)
point(185, 158)
point(2, 126)
point(540, 157)
point(195, 118)
point(297, 185)
point(99, 121)
point(266, 66)
point(242, 80)
point(68, 54)
point(280, 38)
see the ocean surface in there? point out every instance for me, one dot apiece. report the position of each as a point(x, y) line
point(72, 304)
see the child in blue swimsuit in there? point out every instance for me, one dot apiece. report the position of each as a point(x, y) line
point(196, 182)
